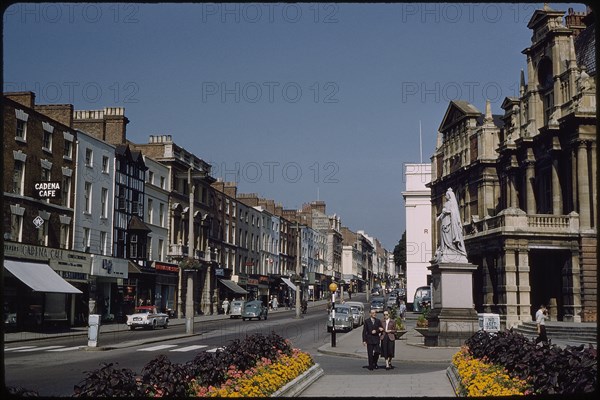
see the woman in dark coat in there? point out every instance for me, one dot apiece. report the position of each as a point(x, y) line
point(388, 337)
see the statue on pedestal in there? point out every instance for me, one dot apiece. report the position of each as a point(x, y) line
point(452, 246)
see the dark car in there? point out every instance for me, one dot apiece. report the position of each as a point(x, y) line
point(378, 304)
point(254, 309)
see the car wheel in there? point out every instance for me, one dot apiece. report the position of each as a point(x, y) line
point(131, 327)
point(166, 324)
point(328, 329)
point(243, 319)
point(153, 324)
point(265, 317)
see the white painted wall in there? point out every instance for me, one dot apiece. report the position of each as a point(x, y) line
point(417, 203)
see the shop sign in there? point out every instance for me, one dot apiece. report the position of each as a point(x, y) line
point(165, 267)
point(219, 272)
point(47, 254)
point(47, 190)
point(74, 276)
point(109, 267)
point(252, 282)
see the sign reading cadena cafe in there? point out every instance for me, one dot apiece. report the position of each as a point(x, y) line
point(47, 190)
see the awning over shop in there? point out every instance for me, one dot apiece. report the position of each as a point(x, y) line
point(39, 277)
point(289, 283)
point(234, 287)
point(133, 268)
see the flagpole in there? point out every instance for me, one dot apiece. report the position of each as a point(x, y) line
point(420, 143)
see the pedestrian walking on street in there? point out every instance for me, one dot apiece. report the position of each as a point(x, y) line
point(540, 320)
point(372, 328)
point(225, 306)
point(388, 339)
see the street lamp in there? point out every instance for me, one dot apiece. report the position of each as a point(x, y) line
point(332, 289)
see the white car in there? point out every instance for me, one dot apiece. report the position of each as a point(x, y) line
point(358, 312)
point(147, 317)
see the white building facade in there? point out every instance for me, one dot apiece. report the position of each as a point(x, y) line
point(417, 203)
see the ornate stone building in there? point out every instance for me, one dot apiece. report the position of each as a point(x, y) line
point(526, 180)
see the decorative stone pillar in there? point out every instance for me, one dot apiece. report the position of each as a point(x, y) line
point(524, 286)
point(529, 187)
point(593, 174)
point(557, 208)
point(574, 188)
point(510, 287)
point(583, 187)
point(572, 289)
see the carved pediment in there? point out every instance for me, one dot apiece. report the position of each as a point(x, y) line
point(456, 112)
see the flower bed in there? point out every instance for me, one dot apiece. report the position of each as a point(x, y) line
point(507, 363)
point(259, 365)
point(262, 380)
point(479, 378)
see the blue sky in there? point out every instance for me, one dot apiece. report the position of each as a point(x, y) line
point(297, 102)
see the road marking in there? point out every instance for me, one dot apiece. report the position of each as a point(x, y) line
point(190, 348)
point(157, 348)
point(214, 350)
point(38, 349)
point(68, 348)
point(19, 348)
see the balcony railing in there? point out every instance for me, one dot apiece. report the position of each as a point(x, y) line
point(177, 250)
point(518, 220)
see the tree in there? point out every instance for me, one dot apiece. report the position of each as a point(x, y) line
point(400, 253)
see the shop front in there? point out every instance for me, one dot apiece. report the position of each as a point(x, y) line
point(166, 286)
point(228, 289)
point(43, 286)
point(317, 286)
point(262, 288)
point(241, 280)
point(107, 291)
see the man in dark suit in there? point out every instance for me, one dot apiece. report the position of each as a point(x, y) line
point(370, 335)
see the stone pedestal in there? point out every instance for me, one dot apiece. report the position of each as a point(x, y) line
point(452, 318)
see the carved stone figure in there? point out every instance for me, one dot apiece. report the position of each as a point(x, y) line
point(451, 248)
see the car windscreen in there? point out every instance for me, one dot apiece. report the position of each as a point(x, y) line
point(342, 310)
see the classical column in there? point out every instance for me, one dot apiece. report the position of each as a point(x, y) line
point(513, 189)
point(593, 176)
point(574, 177)
point(524, 286)
point(529, 187)
point(510, 287)
point(583, 185)
point(572, 289)
point(557, 208)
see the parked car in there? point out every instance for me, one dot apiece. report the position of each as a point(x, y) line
point(377, 304)
point(344, 321)
point(235, 309)
point(376, 291)
point(358, 312)
point(147, 317)
point(391, 301)
point(254, 309)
